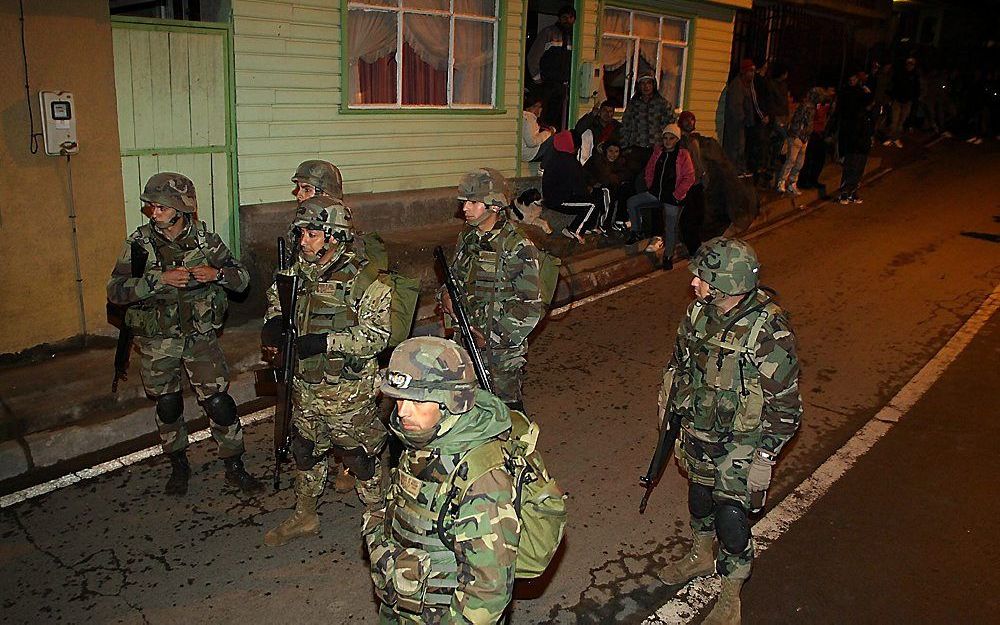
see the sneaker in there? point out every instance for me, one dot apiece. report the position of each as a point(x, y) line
point(856, 200)
point(887, 142)
point(947, 135)
point(977, 141)
point(781, 187)
point(898, 143)
point(618, 226)
point(844, 199)
point(569, 234)
point(793, 189)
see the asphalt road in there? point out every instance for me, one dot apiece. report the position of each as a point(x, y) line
point(874, 291)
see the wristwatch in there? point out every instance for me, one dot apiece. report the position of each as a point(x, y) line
point(219, 275)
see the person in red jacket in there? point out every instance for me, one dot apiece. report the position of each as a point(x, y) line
point(669, 175)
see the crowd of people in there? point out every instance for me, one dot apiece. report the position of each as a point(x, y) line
point(649, 178)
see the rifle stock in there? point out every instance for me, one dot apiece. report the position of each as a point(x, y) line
point(288, 293)
point(462, 317)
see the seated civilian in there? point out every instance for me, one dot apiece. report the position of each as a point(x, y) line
point(564, 186)
point(668, 176)
point(536, 141)
point(607, 176)
point(601, 121)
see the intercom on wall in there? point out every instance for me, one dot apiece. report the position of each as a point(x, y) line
point(59, 122)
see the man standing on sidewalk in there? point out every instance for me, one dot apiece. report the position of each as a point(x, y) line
point(500, 271)
point(343, 320)
point(175, 308)
point(733, 381)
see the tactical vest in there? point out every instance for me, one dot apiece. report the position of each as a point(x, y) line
point(195, 309)
point(723, 392)
point(328, 303)
point(424, 572)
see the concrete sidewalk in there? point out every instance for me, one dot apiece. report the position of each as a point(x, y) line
point(58, 415)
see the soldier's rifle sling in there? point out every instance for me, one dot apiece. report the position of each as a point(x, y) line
point(139, 256)
point(462, 317)
point(283, 407)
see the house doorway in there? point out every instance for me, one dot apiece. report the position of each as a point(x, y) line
point(549, 58)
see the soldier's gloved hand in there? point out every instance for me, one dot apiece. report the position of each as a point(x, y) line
point(759, 480)
point(271, 334)
point(310, 345)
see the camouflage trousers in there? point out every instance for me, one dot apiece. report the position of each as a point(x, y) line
point(200, 356)
point(359, 428)
point(429, 616)
point(507, 368)
point(723, 467)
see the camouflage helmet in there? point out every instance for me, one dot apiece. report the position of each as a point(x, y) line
point(729, 265)
point(327, 214)
point(171, 189)
point(430, 368)
point(485, 185)
point(323, 175)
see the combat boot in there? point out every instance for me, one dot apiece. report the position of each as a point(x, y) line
point(698, 562)
point(236, 475)
point(727, 607)
point(180, 472)
point(303, 522)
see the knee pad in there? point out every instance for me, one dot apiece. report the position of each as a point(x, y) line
point(221, 409)
point(302, 452)
point(700, 502)
point(732, 527)
point(170, 407)
point(358, 463)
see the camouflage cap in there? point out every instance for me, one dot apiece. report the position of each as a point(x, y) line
point(323, 175)
point(730, 265)
point(430, 368)
point(171, 189)
point(327, 214)
point(485, 185)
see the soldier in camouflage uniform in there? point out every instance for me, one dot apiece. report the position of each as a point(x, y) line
point(499, 269)
point(343, 323)
point(733, 379)
point(175, 310)
point(317, 177)
point(437, 557)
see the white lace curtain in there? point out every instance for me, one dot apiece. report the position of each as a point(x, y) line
point(372, 35)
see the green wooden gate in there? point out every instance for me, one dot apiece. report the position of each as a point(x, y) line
point(174, 88)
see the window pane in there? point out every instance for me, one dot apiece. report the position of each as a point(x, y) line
point(425, 59)
point(372, 56)
point(647, 58)
point(474, 73)
point(674, 30)
point(671, 64)
point(615, 56)
point(486, 8)
point(437, 5)
point(616, 21)
point(646, 26)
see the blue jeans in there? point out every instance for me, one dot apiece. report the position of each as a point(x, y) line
point(671, 213)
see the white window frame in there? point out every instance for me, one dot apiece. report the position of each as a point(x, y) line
point(453, 17)
point(631, 65)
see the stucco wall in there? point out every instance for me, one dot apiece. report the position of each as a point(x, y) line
point(288, 96)
point(68, 49)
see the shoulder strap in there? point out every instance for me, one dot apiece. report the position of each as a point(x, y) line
point(480, 461)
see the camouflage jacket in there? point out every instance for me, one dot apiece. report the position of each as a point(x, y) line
point(742, 378)
point(643, 120)
point(158, 309)
point(343, 299)
point(469, 577)
point(499, 270)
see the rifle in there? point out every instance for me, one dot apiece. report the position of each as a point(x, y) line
point(124, 349)
point(457, 305)
point(288, 296)
point(664, 447)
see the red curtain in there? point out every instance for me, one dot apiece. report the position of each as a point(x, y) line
point(422, 83)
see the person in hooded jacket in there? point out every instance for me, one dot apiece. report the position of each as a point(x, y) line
point(643, 120)
point(564, 187)
point(669, 175)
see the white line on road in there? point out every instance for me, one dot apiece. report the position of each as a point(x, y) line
point(690, 600)
point(114, 465)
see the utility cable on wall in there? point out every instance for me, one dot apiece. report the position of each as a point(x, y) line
point(76, 252)
point(32, 135)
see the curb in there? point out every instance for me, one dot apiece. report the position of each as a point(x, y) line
point(59, 452)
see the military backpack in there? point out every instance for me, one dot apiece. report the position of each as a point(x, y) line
point(405, 290)
point(538, 500)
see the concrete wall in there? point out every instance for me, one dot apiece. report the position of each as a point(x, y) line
point(69, 49)
point(288, 103)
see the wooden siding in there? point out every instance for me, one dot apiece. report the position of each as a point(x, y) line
point(288, 97)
